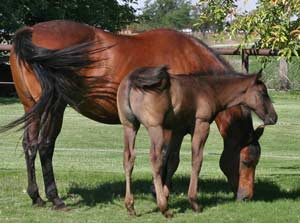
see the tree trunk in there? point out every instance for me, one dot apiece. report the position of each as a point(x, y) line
point(284, 82)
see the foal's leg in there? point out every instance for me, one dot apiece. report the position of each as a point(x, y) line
point(47, 137)
point(172, 162)
point(30, 146)
point(128, 164)
point(157, 143)
point(200, 135)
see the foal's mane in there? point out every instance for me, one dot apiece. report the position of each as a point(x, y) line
point(226, 75)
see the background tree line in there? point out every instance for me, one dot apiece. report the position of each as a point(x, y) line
point(273, 24)
point(106, 14)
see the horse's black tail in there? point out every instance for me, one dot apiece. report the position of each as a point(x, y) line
point(57, 72)
point(150, 78)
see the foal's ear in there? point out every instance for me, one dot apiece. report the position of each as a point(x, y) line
point(163, 68)
point(255, 77)
point(259, 74)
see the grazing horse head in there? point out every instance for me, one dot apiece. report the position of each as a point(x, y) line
point(258, 100)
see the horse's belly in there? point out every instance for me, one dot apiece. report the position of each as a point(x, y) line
point(100, 111)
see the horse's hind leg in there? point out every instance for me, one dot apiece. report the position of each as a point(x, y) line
point(157, 143)
point(47, 137)
point(30, 146)
point(128, 164)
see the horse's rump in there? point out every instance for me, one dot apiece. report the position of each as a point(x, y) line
point(58, 73)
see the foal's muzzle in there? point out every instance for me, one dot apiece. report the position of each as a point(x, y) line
point(271, 119)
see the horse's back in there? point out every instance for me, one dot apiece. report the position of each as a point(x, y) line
point(182, 53)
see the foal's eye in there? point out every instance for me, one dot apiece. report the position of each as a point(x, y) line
point(264, 94)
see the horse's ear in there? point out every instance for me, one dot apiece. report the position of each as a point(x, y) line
point(258, 132)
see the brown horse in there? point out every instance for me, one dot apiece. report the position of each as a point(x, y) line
point(61, 62)
point(172, 106)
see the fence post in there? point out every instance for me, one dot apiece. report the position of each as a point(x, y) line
point(245, 61)
point(284, 82)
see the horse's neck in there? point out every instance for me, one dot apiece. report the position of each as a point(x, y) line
point(230, 92)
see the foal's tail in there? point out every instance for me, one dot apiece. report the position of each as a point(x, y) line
point(150, 78)
point(145, 79)
point(57, 72)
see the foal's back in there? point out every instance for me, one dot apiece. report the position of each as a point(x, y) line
point(152, 97)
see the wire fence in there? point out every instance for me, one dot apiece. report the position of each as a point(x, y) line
point(270, 67)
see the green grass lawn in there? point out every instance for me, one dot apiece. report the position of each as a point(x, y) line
point(89, 174)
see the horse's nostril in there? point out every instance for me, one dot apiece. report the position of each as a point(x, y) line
point(276, 118)
point(273, 120)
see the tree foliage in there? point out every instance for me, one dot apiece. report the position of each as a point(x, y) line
point(273, 24)
point(107, 14)
point(276, 23)
point(166, 13)
point(213, 14)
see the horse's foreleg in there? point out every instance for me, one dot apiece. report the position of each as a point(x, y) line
point(200, 135)
point(157, 143)
point(47, 137)
point(128, 164)
point(30, 146)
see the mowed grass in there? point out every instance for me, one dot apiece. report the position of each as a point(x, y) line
point(89, 174)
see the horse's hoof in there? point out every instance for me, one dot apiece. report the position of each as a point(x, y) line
point(168, 214)
point(243, 195)
point(59, 205)
point(239, 199)
point(39, 202)
point(62, 208)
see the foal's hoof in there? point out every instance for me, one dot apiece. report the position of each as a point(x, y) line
point(130, 209)
point(131, 213)
point(153, 192)
point(196, 208)
point(39, 202)
point(168, 214)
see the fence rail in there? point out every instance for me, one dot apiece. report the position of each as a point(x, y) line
point(245, 54)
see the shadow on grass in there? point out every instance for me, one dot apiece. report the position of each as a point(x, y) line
point(8, 100)
point(211, 192)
